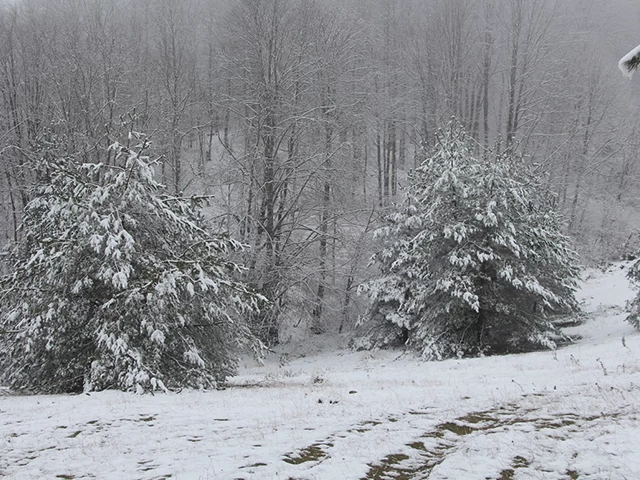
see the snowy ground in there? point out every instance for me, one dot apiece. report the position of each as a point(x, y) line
point(568, 414)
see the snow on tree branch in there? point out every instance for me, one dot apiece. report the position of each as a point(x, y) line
point(629, 63)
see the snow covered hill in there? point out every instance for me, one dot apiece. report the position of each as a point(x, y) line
point(569, 414)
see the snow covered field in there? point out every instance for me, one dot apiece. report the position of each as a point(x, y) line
point(569, 414)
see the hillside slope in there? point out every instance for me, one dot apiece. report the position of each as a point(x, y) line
point(569, 414)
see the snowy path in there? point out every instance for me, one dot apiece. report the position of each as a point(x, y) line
point(568, 414)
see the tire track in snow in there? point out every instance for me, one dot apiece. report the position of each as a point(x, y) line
point(413, 444)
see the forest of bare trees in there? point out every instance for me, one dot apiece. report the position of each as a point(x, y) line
point(302, 118)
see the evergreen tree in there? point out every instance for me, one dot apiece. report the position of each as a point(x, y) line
point(475, 259)
point(115, 285)
point(634, 306)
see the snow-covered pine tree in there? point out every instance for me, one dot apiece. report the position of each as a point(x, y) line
point(475, 259)
point(116, 285)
